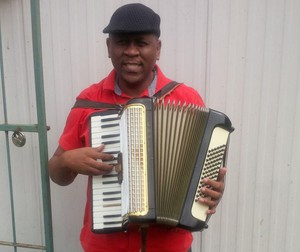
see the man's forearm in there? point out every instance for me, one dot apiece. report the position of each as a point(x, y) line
point(60, 174)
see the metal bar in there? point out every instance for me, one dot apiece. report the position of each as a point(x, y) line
point(22, 245)
point(12, 207)
point(41, 115)
point(19, 127)
point(2, 78)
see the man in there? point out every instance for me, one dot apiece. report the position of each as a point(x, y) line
point(134, 47)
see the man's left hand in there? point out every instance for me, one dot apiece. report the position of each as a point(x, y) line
point(215, 192)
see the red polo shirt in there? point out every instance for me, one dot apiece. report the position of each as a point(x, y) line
point(76, 135)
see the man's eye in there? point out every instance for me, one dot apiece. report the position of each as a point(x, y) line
point(142, 43)
point(121, 42)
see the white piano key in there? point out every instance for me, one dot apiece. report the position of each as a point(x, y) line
point(109, 220)
point(108, 195)
point(115, 149)
point(100, 214)
point(100, 129)
point(111, 186)
point(99, 211)
point(98, 186)
point(103, 179)
point(110, 139)
point(107, 205)
point(112, 162)
point(106, 180)
point(109, 129)
point(102, 226)
point(105, 197)
point(110, 147)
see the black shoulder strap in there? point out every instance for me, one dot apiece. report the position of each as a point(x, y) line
point(82, 103)
point(167, 89)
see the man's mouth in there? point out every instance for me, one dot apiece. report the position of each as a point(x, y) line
point(131, 67)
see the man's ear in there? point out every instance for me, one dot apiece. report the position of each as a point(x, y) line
point(158, 49)
point(108, 46)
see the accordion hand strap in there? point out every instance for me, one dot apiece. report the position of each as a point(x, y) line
point(82, 103)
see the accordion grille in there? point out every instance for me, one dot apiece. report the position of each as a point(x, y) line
point(136, 165)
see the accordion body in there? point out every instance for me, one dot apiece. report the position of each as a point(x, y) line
point(162, 153)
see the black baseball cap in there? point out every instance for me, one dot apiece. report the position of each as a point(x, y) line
point(134, 18)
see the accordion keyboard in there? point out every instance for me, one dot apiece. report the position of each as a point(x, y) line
point(106, 201)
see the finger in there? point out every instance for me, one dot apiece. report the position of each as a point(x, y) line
point(100, 148)
point(222, 173)
point(211, 211)
point(98, 164)
point(214, 184)
point(91, 171)
point(102, 155)
point(214, 195)
point(214, 191)
point(212, 204)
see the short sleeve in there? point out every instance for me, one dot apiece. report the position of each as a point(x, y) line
point(73, 135)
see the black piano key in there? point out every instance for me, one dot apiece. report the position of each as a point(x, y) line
point(109, 175)
point(110, 142)
point(112, 216)
point(110, 193)
point(110, 136)
point(112, 222)
point(110, 182)
point(109, 119)
point(112, 199)
point(109, 125)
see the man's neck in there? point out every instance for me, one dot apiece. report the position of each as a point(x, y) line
point(135, 90)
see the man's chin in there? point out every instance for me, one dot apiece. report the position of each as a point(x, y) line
point(132, 78)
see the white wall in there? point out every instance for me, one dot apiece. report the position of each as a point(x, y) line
point(242, 56)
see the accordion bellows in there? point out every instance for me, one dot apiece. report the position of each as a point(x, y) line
point(178, 131)
point(163, 151)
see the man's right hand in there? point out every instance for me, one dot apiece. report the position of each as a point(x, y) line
point(65, 165)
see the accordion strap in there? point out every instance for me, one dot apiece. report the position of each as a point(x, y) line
point(82, 103)
point(167, 89)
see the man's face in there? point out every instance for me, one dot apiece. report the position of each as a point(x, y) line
point(133, 57)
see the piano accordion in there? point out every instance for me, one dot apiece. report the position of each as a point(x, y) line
point(162, 152)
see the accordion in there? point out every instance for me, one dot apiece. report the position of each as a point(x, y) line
point(162, 153)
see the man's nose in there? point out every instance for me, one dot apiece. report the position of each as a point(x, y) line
point(132, 49)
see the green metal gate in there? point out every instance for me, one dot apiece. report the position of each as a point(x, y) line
point(17, 134)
